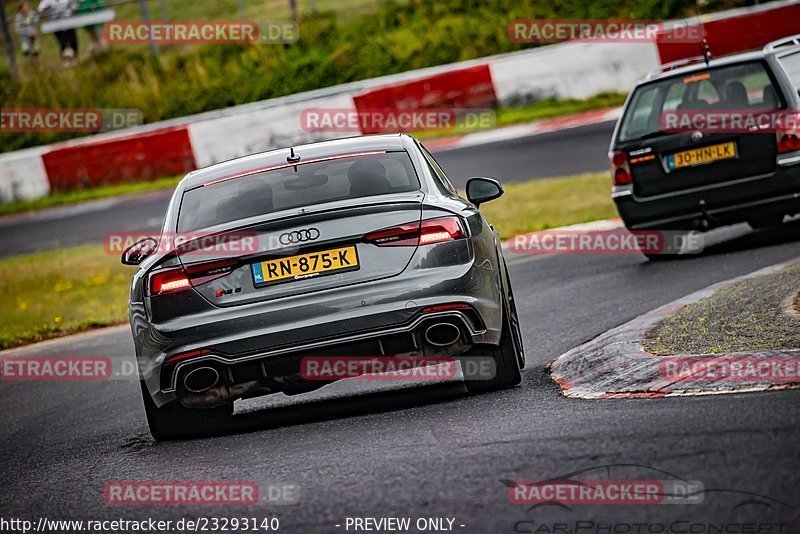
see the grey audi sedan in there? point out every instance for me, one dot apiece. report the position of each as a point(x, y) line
point(354, 248)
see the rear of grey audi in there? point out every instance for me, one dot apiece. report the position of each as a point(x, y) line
point(357, 247)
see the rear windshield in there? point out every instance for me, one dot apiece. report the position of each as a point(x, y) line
point(742, 86)
point(791, 64)
point(294, 187)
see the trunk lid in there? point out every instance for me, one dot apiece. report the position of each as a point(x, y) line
point(301, 250)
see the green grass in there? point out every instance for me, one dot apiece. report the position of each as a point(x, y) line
point(57, 293)
point(546, 109)
point(342, 43)
point(255, 10)
point(53, 294)
point(83, 195)
point(551, 203)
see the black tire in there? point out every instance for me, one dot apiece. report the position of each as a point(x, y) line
point(173, 421)
point(508, 356)
point(515, 328)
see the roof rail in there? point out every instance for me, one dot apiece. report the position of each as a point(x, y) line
point(792, 40)
point(674, 65)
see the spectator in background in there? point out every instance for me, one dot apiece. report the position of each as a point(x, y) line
point(26, 23)
point(95, 30)
point(67, 39)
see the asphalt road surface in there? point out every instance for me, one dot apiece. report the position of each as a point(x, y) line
point(431, 451)
point(539, 156)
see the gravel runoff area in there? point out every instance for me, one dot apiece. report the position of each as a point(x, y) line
point(755, 314)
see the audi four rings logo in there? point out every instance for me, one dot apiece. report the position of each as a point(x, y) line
point(299, 236)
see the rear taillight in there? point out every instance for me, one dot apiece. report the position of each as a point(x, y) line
point(168, 281)
point(620, 168)
point(405, 235)
point(438, 230)
point(178, 279)
point(427, 232)
point(788, 141)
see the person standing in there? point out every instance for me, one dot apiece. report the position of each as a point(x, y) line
point(67, 39)
point(26, 23)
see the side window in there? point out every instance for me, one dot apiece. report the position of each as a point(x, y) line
point(641, 112)
point(438, 172)
point(791, 64)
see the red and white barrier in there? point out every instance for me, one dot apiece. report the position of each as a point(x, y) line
point(737, 30)
point(570, 70)
point(469, 87)
point(145, 156)
point(567, 70)
point(258, 129)
point(23, 176)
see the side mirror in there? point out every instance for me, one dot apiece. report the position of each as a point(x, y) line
point(136, 253)
point(480, 190)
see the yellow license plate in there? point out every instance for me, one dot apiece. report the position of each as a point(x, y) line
point(701, 156)
point(305, 266)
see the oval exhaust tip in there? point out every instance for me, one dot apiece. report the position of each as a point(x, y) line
point(442, 334)
point(201, 379)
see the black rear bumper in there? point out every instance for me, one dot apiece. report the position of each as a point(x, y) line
point(260, 373)
point(704, 208)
